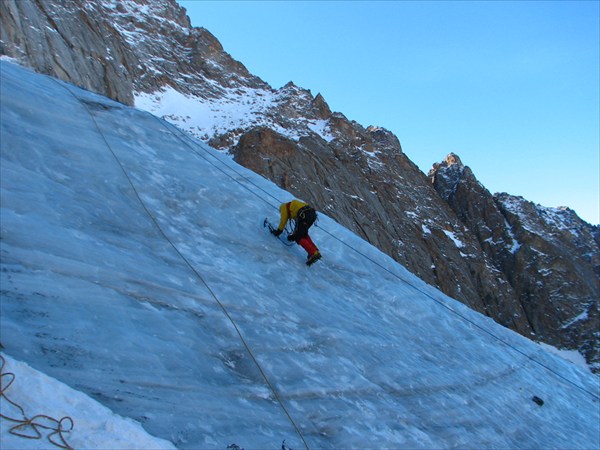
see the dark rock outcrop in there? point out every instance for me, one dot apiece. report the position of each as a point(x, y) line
point(550, 256)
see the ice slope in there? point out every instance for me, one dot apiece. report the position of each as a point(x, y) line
point(135, 269)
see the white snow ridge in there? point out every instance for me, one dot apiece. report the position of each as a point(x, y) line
point(135, 270)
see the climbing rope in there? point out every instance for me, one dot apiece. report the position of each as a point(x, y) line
point(187, 141)
point(31, 428)
point(466, 319)
point(192, 269)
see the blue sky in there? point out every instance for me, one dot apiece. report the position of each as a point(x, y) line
point(511, 87)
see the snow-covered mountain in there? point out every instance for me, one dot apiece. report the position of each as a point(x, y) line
point(136, 270)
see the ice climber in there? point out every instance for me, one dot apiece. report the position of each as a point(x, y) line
point(304, 216)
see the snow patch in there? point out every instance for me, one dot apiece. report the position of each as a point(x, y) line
point(572, 356)
point(583, 316)
point(456, 240)
point(205, 118)
point(94, 425)
point(516, 245)
point(239, 108)
point(322, 128)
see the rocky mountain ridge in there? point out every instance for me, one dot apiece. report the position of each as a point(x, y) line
point(545, 253)
point(535, 270)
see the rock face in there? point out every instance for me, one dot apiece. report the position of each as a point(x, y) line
point(63, 39)
point(550, 257)
point(532, 269)
point(116, 47)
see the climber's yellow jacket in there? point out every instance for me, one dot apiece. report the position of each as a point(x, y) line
point(289, 211)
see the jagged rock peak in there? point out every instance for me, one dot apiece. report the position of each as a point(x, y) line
point(321, 107)
point(555, 218)
point(453, 159)
point(446, 175)
point(291, 88)
point(385, 138)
